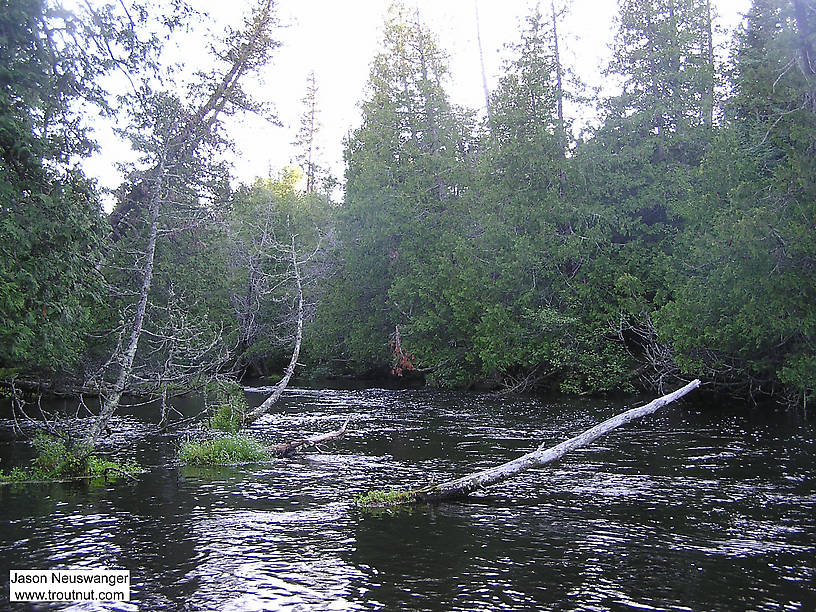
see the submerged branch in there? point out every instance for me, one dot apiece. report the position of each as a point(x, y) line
point(287, 449)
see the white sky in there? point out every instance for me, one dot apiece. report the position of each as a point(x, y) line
point(338, 40)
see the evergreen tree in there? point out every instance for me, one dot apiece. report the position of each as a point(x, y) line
point(636, 172)
point(403, 191)
point(51, 228)
point(746, 315)
point(306, 137)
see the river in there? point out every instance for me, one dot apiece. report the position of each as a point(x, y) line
point(693, 508)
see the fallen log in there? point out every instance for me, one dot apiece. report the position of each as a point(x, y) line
point(287, 449)
point(462, 487)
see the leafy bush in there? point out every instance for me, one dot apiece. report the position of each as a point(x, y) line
point(229, 406)
point(55, 461)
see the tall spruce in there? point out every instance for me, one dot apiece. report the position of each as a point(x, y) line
point(306, 140)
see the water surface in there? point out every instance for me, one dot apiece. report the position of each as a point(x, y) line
point(689, 509)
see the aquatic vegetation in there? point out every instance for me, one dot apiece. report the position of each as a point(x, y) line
point(384, 499)
point(229, 406)
point(226, 450)
point(55, 461)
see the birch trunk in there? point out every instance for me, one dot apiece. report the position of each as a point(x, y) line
point(111, 400)
point(253, 415)
point(462, 487)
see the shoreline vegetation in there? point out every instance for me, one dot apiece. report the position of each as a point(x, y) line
point(507, 248)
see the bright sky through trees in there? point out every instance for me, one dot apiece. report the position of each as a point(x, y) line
point(338, 41)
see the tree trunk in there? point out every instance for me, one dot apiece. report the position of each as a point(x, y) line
point(481, 60)
point(804, 35)
point(111, 400)
point(559, 93)
point(287, 449)
point(253, 415)
point(462, 487)
point(708, 99)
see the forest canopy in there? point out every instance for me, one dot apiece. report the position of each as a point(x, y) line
point(490, 248)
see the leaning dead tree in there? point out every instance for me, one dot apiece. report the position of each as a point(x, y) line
point(256, 413)
point(175, 139)
point(462, 487)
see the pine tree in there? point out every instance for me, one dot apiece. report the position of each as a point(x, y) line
point(306, 137)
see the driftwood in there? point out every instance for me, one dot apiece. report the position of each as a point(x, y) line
point(462, 487)
point(287, 449)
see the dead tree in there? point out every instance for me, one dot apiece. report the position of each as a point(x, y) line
point(462, 487)
point(481, 60)
point(256, 413)
point(287, 449)
point(174, 152)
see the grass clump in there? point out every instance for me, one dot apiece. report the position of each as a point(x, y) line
point(385, 499)
point(56, 461)
point(235, 448)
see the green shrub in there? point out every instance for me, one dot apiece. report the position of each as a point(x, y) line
point(55, 461)
point(101, 466)
point(15, 474)
point(229, 405)
point(235, 448)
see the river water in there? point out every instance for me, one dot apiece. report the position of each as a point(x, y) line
point(693, 508)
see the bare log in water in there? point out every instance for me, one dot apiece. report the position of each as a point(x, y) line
point(287, 449)
point(462, 487)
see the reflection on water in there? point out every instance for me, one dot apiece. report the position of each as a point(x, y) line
point(688, 510)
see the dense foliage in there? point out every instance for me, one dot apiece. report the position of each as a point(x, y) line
point(674, 238)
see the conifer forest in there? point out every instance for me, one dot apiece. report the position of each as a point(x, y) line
point(375, 377)
point(503, 248)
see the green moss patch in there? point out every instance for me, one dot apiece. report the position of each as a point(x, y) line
point(385, 499)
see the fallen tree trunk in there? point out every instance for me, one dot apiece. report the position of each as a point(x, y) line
point(287, 449)
point(462, 487)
